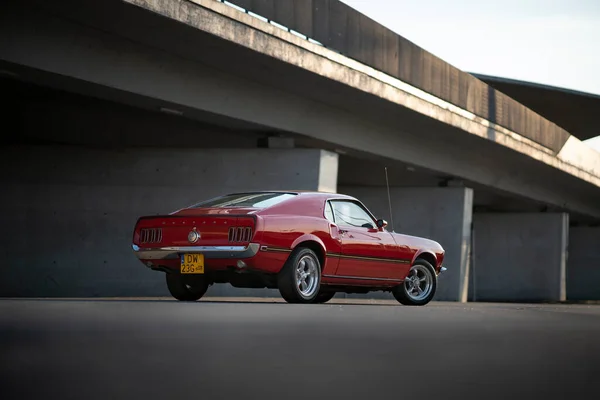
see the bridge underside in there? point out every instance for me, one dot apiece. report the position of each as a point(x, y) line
point(113, 120)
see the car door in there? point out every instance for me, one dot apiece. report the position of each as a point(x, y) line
point(366, 251)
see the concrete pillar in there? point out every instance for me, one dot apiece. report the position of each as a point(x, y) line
point(519, 257)
point(68, 212)
point(583, 264)
point(440, 214)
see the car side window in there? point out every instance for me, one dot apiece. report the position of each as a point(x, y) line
point(329, 212)
point(348, 213)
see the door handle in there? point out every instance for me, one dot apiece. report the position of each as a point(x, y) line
point(342, 231)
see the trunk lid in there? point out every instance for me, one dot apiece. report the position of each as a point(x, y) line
point(215, 211)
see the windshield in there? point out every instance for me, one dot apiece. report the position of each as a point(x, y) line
point(246, 200)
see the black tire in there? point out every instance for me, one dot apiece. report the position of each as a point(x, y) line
point(323, 297)
point(287, 279)
point(186, 288)
point(408, 297)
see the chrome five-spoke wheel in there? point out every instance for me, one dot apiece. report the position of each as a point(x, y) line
point(419, 285)
point(299, 280)
point(307, 276)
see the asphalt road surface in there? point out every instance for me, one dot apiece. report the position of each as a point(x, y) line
point(162, 349)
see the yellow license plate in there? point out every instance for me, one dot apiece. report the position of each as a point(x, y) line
point(192, 263)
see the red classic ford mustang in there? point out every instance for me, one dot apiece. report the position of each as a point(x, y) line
point(309, 245)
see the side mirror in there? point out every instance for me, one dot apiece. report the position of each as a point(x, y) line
point(381, 223)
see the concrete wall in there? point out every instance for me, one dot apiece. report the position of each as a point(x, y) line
point(441, 214)
point(583, 264)
point(519, 257)
point(68, 212)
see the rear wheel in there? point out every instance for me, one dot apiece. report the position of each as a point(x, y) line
point(324, 297)
point(300, 278)
point(186, 288)
point(419, 286)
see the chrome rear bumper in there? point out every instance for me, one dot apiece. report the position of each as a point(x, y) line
point(166, 253)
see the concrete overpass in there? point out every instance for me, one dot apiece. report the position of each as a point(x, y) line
point(133, 107)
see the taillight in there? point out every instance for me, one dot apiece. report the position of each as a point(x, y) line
point(240, 234)
point(151, 235)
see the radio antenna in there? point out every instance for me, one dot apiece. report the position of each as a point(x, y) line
point(387, 184)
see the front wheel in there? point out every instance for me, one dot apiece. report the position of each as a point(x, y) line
point(418, 287)
point(300, 278)
point(186, 289)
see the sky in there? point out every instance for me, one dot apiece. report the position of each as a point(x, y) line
point(552, 42)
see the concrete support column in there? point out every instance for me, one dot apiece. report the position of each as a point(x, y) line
point(583, 264)
point(519, 257)
point(440, 214)
point(69, 212)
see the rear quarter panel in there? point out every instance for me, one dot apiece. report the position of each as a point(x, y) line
point(282, 233)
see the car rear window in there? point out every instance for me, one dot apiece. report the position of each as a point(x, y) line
point(246, 200)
